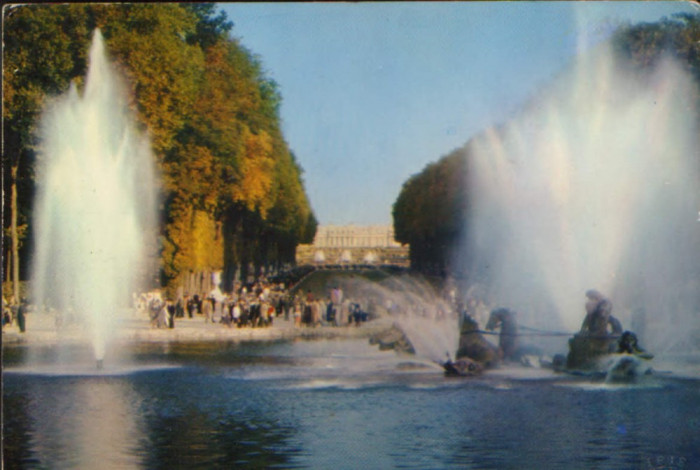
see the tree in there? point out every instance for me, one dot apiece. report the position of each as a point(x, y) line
point(430, 209)
point(232, 190)
point(43, 51)
point(163, 71)
point(210, 28)
point(644, 45)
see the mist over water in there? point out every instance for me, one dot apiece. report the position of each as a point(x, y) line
point(427, 318)
point(596, 184)
point(95, 209)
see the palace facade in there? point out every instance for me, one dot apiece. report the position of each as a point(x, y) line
point(353, 245)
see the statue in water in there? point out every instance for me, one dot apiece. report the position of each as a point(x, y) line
point(594, 339)
point(474, 353)
point(508, 337)
point(599, 317)
point(601, 334)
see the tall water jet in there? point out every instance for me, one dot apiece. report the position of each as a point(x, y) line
point(95, 210)
point(596, 184)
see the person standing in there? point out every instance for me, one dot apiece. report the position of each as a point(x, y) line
point(297, 313)
point(171, 314)
point(207, 309)
point(236, 313)
point(21, 319)
point(180, 307)
point(218, 309)
point(190, 306)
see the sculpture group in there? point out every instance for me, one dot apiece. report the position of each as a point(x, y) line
point(600, 349)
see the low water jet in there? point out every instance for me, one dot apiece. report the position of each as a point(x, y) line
point(429, 321)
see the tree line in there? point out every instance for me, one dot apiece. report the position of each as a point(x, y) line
point(431, 208)
point(233, 193)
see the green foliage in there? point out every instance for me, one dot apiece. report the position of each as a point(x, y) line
point(645, 44)
point(432, 204)
point(431, 209)
point(209, 28)
point(211, 113)
point(164, 71)
point(43, 51)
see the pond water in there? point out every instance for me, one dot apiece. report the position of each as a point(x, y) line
point(334, 404)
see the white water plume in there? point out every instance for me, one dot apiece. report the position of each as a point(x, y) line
point(428, 319)
point(596, 184)
point(95, 209)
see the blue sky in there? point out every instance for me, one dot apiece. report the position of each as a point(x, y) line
point(373, 92)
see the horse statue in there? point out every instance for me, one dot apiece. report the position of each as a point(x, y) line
point(508, 343)
point(474, 346)
point(474, 353)
point(508, 337)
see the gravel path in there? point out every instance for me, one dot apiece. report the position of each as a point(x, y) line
point(136, 328)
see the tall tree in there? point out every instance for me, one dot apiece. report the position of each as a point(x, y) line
point(430, 211)
point(229, 181)
point(43, 51)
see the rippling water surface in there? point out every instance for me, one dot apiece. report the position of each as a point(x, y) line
point(336, 404)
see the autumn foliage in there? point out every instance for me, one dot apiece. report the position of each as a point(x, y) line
point(232, 192)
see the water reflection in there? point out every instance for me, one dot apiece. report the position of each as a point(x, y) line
point(88, 423)
point(162, 418)
point(333, 405)
point(204, 440)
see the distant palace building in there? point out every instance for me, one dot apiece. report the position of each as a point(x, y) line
point(353, 245)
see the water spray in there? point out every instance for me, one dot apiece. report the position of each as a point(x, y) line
point(595, 184)
point(96, 202)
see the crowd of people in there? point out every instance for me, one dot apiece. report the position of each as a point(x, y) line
point(255, 305)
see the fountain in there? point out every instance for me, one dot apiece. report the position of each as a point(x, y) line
point(95, 209)
point(595, 184)
point(429, 322)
